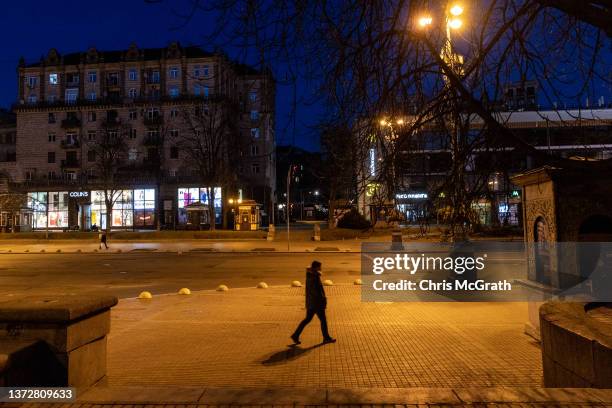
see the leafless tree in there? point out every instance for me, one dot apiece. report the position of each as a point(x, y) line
point(211, 141)
point(372, 59)
point(109, 152)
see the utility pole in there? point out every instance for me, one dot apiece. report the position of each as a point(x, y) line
point(288, 212)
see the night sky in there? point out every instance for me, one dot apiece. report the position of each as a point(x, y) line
point(29, 28)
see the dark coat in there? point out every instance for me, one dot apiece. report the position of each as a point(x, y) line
point(315, 295)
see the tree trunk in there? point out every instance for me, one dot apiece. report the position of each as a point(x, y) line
point(211, 208)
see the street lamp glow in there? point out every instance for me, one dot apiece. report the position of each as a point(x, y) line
point(455, 23)
point(383, 122)
point(231, 201)
point(456, 10)
point(425, 21)
point(400, 121)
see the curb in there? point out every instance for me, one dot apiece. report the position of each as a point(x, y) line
point(343, 396)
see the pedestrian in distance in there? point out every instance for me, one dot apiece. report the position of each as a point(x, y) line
point(316, 303)
point(102, 238)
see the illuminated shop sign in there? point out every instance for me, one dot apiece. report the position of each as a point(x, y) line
point(79, 194)
point(413, 196)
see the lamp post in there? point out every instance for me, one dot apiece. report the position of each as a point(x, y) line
point(453, 21)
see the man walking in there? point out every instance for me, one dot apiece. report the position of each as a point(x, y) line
point(102, 238)
point(316, 302)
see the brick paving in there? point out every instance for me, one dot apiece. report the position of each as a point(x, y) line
point(239, 339)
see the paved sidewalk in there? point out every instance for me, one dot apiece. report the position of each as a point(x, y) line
point(72, 246)
point(239, 339)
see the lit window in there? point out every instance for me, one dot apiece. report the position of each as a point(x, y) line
point(92, 96)
point(254, 115)
point(53, 79)
point(255, 133)
point(205, 91)
point(133, 74)
point(32, 98)
point(92, 76)
point(196, 90)
point(71, 95)
point(174, 72)
point(32, 81)
point(253, 96)
point(132, 93)
point(205, 70)
point(174, 92)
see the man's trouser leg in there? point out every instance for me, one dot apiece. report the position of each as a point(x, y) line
point(309, 315)
point(323, 319)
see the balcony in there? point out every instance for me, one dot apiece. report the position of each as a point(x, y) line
point(156, 120)
point(71, 123)
point(70, 144)
point(111, 123)
point(70, 164)
point(112, 82)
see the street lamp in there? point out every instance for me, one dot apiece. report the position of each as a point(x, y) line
point(425, 21)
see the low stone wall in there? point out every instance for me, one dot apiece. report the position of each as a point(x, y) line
point(63, 337)
point(576, 345)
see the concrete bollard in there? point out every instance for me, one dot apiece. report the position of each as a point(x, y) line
point(145, 295)
point(271, 232)
point(317, 232)
point(328, 282)
point(358, 282)
point(396, 240)
point(262, 285)
point(222, 288)
point(184, 291)
point(296, 284)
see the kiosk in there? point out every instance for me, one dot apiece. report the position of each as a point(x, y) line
point(248, 216)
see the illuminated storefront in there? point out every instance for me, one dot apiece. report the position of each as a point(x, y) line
point(49, 209)
point(84, 209)
point(132, 208)
point(193, 195)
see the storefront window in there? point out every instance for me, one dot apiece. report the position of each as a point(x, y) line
point(131, 208)
point(144, 207)
point(37, 201)
point(187, 196)
point(58, 209)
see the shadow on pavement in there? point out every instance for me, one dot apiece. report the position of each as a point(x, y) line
point(291, 353)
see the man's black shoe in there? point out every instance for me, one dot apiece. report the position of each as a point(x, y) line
point(330, 340)
point(295, 339)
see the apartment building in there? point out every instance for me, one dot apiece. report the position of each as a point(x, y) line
point(68, 103)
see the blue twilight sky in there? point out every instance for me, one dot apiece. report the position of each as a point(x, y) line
point(29, 28)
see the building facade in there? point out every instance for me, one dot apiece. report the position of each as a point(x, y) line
point(422, 170)
point(70, 105)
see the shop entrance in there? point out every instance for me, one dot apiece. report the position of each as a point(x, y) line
point(84, 217)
